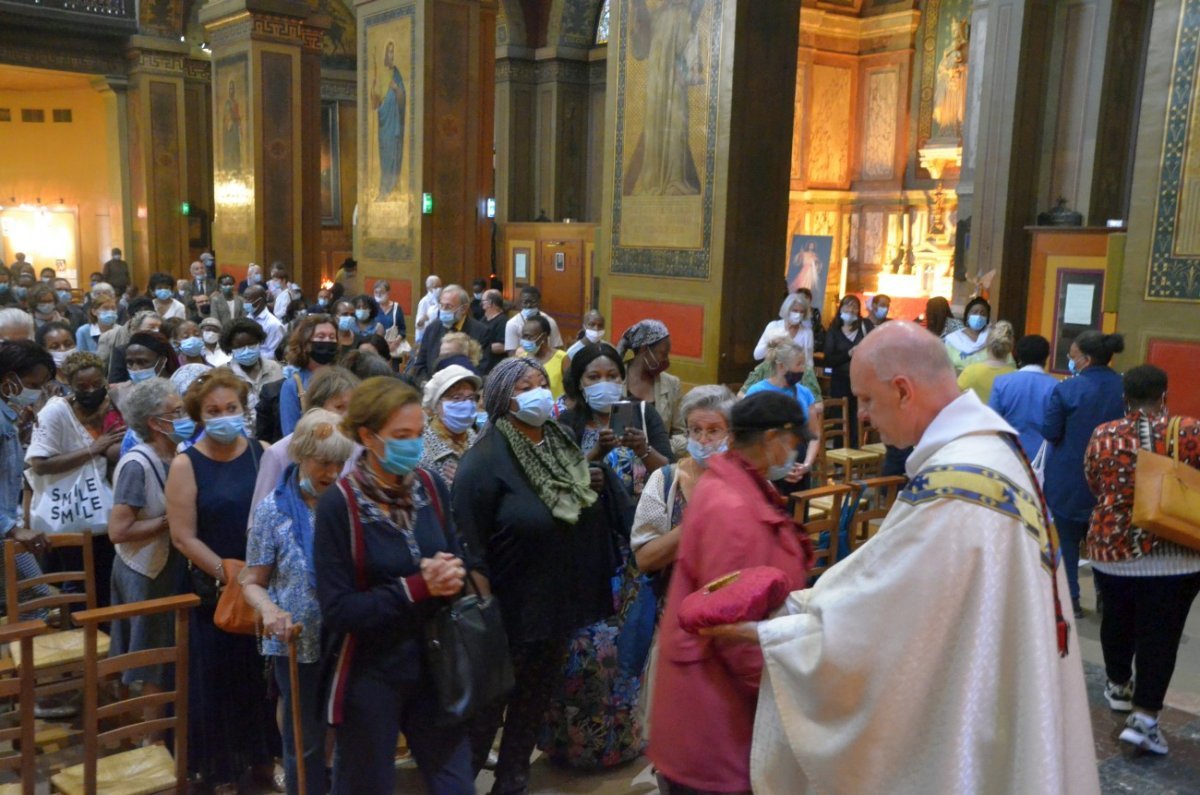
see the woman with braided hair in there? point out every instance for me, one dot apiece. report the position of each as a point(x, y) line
point(530, 508)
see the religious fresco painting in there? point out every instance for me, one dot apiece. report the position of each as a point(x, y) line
point(808, 265)
point(1174, 273)
point(331, 171)
point(233, 180)
point(387, 58)
point(669, 64)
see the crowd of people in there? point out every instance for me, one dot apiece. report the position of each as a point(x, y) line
point(365, 465)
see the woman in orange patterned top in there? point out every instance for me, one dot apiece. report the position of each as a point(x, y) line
point(1147, 583)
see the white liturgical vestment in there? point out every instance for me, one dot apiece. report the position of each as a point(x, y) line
point(927, 661)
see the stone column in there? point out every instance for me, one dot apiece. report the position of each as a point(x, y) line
point(158, 146)
point(516, 92)
point(424, 128)
point(114, 90)
point(266, 130)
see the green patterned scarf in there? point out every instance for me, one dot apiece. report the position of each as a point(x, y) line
point(556, 469)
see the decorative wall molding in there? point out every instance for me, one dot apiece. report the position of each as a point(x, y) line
point(515, 70)
point(340, 90)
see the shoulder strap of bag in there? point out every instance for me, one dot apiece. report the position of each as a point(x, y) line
point(358, 546)
point(1174, 437)
point(153, 468)
point(668, 480)
point(427, 482)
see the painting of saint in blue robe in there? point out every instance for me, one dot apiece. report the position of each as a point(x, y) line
point(388, 98)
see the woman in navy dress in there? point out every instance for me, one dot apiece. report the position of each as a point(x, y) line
point(231, 724)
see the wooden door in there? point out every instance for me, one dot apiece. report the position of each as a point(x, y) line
point(562, 278)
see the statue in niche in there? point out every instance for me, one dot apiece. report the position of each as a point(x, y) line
point(667, 39)
point(231, 132)
point(388, 98)
point(951, 95)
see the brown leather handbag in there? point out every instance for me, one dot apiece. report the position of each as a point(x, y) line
point(234, 614)
point(1166, 494)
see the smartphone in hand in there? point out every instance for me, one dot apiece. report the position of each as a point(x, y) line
point(625, 415)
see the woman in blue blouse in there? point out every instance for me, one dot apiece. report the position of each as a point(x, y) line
point(280, 579)
point(787, 363)
point(1075, 408)
point(384, 547)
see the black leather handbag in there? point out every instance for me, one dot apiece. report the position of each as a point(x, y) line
point(466, 647)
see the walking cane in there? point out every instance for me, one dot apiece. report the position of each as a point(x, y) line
point(297, 725)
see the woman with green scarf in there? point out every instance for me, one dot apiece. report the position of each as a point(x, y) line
point(545, 524)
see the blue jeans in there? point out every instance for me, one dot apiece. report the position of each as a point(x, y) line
point(1070, 535)
point(311, 724)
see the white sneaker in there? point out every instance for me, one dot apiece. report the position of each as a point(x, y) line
point(1142, 731)
point(1120, 697)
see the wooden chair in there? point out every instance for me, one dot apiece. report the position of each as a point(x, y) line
point(845, 464)
point(144, 769)
point(801, 503)
point(57, 656)
point(17, 727)
point(876, 497)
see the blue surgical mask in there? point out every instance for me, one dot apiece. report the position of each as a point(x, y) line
point(529, 312)
point(163, 294)
point(1071, 366)
point(458, 415)
point(702, 452)
point(848, 318)
point(227, 290)
point(225, 430)
point(481, 419)
point(306, 486)
point(881, 313)
point(362, 314)
point(191, 346)
point(534, 407)
point(601, 396)
point(322, 302)
point(64, 296)
point(401, 456)
point(781, 471)
point(248, 356)
point(108, 317)
point(20, 293)
point(447, 316)
point(529, 346)
point(976, 322)
point(182, 429)
point(26, 397)
point(346, 323)
point(138, 376)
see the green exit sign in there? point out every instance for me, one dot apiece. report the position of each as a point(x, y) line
point(426, 203)
point(185, 208)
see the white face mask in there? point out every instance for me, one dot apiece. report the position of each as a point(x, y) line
point(211, 337)
point(794, 318)
point(593, 335)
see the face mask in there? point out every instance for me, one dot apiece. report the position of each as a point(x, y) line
point(794, 318)
point(848, 318)
point(322, 302)
point(362, 314)
point(3, 288)
point(92, 398)
point(435, 292)
point(322, 351)
point(162, 294)
point(534, 406)
point(20, 292)
point(793, 378)
point(529, 346)
point(211, 337)
point(45, 310)
point(138, 376)
point(46, 280)
point(107, 318)
point(603, 395)
point(182, 429)
point(478, 296)
point(60, 357)
point(702, 452)
point(401, 456)
point(593, 335)
point(224, 430)
point(191, 346)
point(381, 298)
point(64, 296)
point(26, 397)
point(976, 322)
point(481, 420)
point(781, 471)
point(529, 312)
point(246, 357)
point(881, 313)
point(447, 316)
point(256, 279)
point(1071, 366)
point(306, 486)
point(227, 290)
point(346, 323)
point(203, 309)
point(458, 415)
point(658, 366)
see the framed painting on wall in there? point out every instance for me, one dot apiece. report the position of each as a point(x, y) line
point(808, 265)
point(331, 172)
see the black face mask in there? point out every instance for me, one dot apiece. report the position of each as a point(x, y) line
point(322, 351)
point(793, 378)
point(92, 398)
point(204, 309)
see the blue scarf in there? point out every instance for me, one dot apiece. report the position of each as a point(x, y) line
point(289, 500)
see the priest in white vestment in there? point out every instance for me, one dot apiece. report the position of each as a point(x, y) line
point(929, 660)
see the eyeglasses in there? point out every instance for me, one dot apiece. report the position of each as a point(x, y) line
point(707, 434)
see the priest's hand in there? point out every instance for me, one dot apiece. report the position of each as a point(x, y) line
point(746, 632)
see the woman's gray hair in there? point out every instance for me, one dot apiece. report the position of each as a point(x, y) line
point(784, 351)
point(143, 401)
point(709, 397)
point(317, 437)
point(13, 318)
point(501, 382)
point(135, 324)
